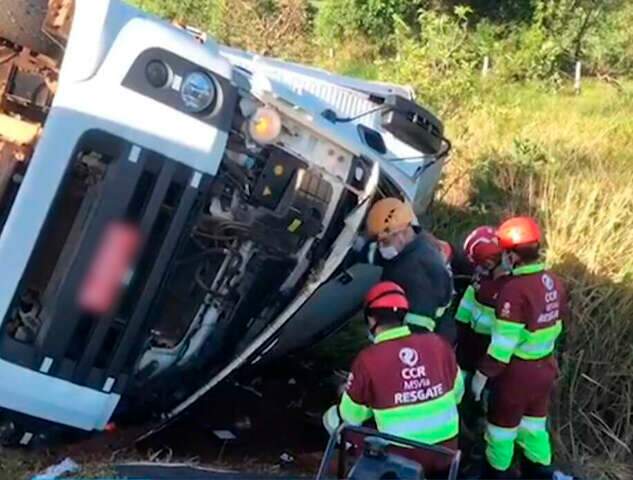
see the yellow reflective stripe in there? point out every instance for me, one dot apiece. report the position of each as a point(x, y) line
point(534, 440)
point(459, 386)
point(464, 310)
point(352, 412)
point(500, 446)
point(439, 428)
point(505, 338)
point(540, 343)
point(430, 422)
point(529, 269)
point(331, 419)
point(501, 434)
point(483, 318)
point(533, 424)
point(420, 321)
point(392, 334)
point(464, 314)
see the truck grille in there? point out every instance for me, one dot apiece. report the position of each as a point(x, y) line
point(139, 187)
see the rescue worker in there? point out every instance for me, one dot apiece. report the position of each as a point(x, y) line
point(476, 311)
point(414, 262)
point(530, 309)
point(410, 385)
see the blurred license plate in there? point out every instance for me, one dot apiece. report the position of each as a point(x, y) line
point(110, 267)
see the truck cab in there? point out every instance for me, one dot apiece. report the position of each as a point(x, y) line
point(171, 214)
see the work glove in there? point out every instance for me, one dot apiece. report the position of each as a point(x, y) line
point(331, 419)
point(478, 384)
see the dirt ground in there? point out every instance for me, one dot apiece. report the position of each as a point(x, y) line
point(274, 417)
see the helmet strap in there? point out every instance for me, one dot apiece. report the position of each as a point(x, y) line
point(507, 262)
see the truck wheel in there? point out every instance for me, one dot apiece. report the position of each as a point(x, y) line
point(21, 23)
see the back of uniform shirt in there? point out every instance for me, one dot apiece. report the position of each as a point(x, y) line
point(538, 300)
point(528, 303)
point(487, 290)
point(411, 370)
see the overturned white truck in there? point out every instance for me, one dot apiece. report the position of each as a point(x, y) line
point(172, 211)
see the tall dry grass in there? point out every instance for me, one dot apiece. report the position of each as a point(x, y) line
point(590, 239)
point(569, 161)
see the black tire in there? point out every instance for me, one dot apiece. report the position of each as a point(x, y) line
point(21, 23)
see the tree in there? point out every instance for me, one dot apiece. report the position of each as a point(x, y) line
point(376, 19)
point(269, 27)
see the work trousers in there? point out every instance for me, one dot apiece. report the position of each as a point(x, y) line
point(517, 413)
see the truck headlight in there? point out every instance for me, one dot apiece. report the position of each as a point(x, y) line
point(197, 92)
point(265, 125)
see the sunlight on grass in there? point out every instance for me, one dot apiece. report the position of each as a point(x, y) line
point(568, 160)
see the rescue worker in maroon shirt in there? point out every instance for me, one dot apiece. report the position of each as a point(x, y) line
point(410, 385)
point(475, 316)
point(476, 311)
point(520, 361)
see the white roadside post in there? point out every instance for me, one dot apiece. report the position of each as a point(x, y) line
point(486, 67)
point(578, 78)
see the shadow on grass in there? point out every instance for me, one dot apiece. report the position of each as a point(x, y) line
point(593, 408)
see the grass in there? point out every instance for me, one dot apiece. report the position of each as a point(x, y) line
point(568, 160)
point(22, 465)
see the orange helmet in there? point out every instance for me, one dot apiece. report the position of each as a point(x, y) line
point(387, 295)
point(482, 244)
point(518, 232)
point(387, 216)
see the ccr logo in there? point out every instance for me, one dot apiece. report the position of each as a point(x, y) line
point(548, 281)
point(409, 357)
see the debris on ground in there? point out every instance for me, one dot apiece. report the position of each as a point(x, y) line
point(558, 475)
point(286, 459)
point(65, 467)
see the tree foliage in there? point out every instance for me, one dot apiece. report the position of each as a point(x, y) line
point(526, 39)
point(201, 13)
point(340, 19)
point(270, 27)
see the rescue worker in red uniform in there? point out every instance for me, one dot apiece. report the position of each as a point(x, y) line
point(410, 385)
point(475, 316)
point(415, 262)
point(520, 360)
point(476, 311)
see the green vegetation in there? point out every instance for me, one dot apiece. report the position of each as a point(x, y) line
point(567, 160)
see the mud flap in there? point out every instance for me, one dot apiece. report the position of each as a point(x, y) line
point(327, 311)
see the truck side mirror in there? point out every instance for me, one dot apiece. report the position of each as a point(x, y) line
point(412, 124)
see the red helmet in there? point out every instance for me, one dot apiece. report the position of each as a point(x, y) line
point(482, 244)
point(387, 295)
point(519, 231)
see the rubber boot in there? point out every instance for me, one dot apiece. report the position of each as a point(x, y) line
point(536, 471)
point(490, 473)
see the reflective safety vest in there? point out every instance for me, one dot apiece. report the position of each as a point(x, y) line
point(424, 321)
point(529, 315)
point(409, 384)
point(472, 312)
